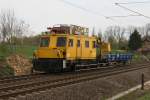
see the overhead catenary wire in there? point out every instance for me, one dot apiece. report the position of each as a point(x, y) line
point(124, 16)
point(87, 10)
point(82, 8)
point(142, 2)
point(107, 17)
point(136, 12)
point(112, 18)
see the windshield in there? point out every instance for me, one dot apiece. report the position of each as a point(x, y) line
point(61, 41)
point(45, 42)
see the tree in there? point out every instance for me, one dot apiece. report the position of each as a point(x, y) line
point(10, 26)
point(7, 22)
point(116, 36)
point(93, 31)
point(20, 29)
point(99, 34)
point(119, 33)
point(130, 29)
point(147, 29)
point(135, 41)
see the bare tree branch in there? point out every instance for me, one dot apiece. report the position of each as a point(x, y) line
point(10, 26)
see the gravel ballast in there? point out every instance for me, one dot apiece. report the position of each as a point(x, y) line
point(98, 89)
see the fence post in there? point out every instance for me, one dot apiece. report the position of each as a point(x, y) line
point(142, 82)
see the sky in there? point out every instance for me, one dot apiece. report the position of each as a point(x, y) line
point(40, 14)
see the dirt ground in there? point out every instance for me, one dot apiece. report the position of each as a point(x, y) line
point(98, 89)
point(2, 63)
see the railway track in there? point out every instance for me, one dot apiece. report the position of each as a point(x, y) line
point(24, 78)
point(18, 78)
point(47, 82)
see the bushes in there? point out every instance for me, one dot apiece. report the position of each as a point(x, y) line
point(4, 50)
point(6, 71)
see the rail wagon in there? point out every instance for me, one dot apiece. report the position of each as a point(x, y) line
point(67, 48)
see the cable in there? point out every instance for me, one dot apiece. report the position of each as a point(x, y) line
point(140, 14)
point(134, 2)
point(90, 11)
point(85, 9)
point(124, 16)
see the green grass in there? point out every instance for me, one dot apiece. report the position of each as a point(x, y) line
point(26, 50)
point(145, 97)
point(3, 51)
point(6, 71)
point(137, 95)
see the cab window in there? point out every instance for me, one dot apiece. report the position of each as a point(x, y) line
point(70, 44)
point(45, 42)
point(61, 41)
point(78, 43)
point(94, 44)
point(87, 44)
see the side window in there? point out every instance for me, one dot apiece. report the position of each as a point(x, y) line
point(78, 43)
point(70, 43)
point(61, 41)
point(93, 44)
point(87, 44)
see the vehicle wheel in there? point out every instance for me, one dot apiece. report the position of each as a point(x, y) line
point(32, 70)
point(72, 67)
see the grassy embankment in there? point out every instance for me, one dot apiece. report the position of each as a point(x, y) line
point(25, 50)
point(146, 96)
point(5, 51)
point(137, 95)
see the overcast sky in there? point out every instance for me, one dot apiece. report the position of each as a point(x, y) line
point(90, 13)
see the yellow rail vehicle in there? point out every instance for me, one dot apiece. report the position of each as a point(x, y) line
point(66, 48)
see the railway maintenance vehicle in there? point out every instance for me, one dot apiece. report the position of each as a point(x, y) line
point(69, 47)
